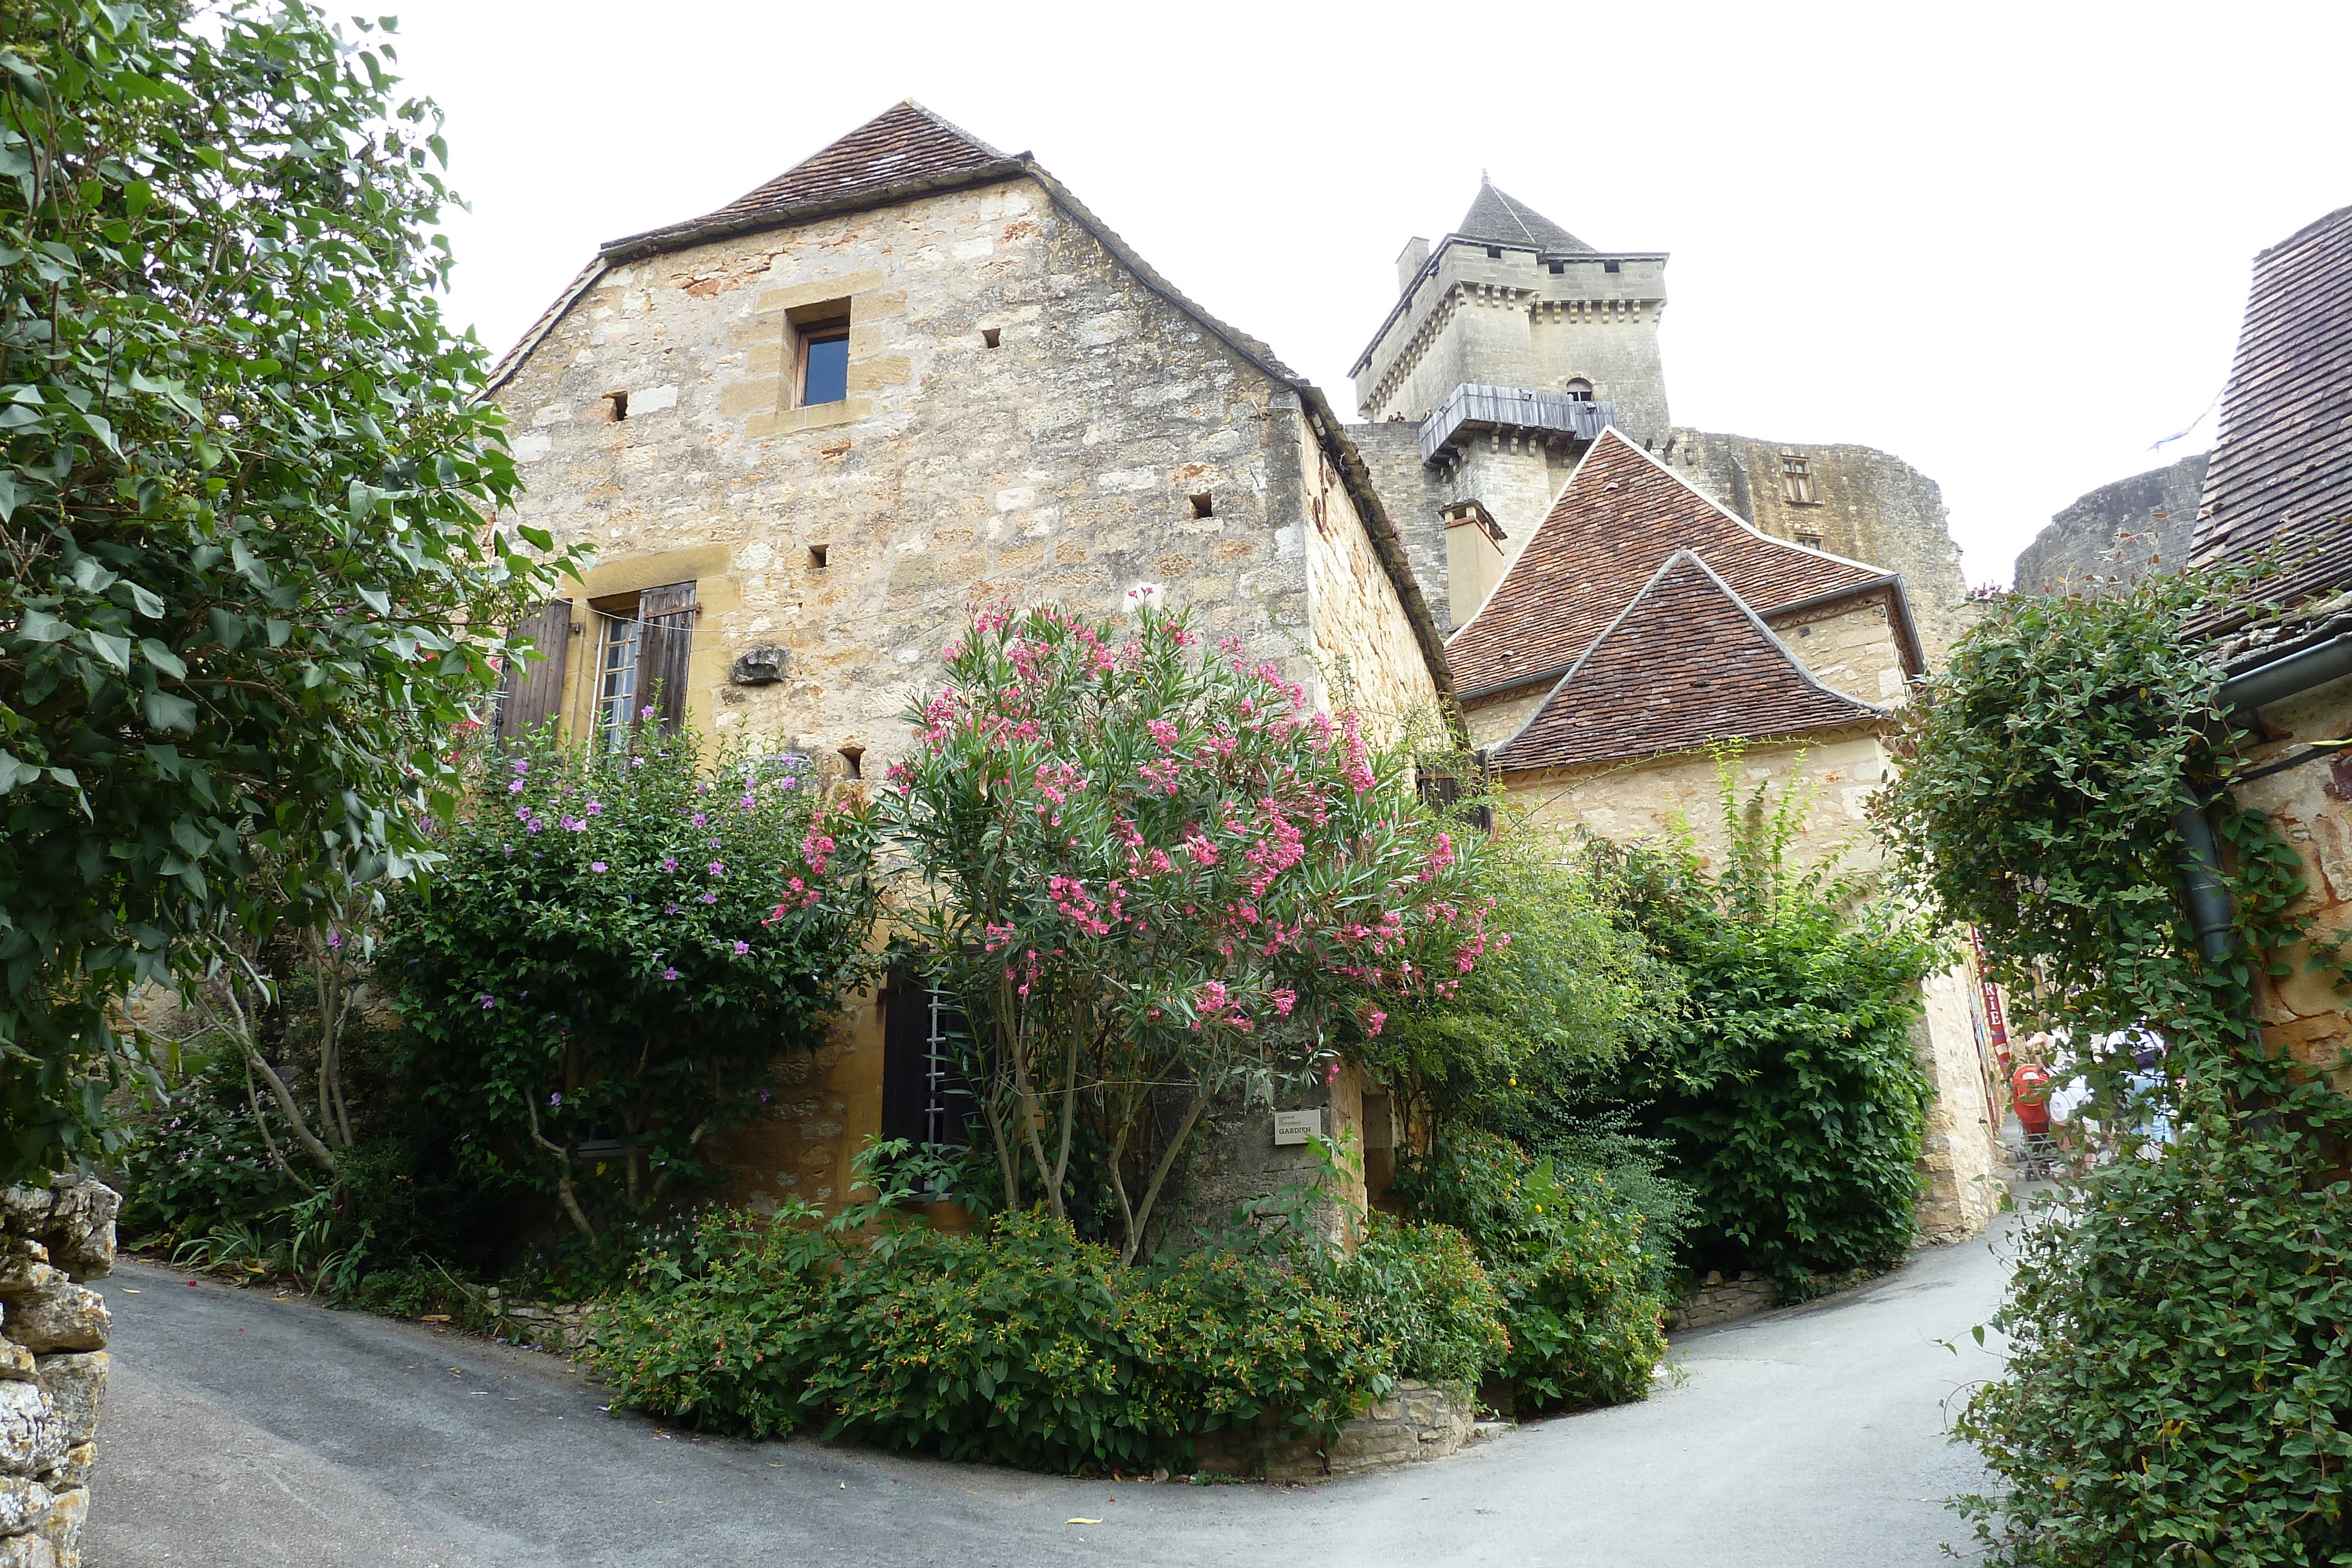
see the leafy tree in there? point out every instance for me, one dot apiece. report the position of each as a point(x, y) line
point(1156, 878)
point(1789, 1087)
point(2178, 1381)
point(615, 949)
point(243, 483)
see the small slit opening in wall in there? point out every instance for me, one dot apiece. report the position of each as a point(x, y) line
point(992, 336)
point(617, 405)
point(816, 556)
point(1609, 266)
point(1202, 506)
point(853, 761)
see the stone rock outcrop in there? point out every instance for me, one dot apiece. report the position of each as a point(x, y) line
point(2112, 536)
point(53, 1363)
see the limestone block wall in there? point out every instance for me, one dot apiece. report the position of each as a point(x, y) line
point(1061, 463)
point(2135, 527)
point(1417, 1421)
point(2312, 805)
point(1869, 506)
point(1964, 1176)
point(1415, 497)
point(53, 1364)
point(1849, 647)
point(1364, 642)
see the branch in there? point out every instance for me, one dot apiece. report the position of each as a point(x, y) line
point(1166, 1163)
point(563, 1192)
point(261, 1125)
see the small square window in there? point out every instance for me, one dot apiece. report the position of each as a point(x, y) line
point(816, 557)
point(1202, 506)
point(1495, 253)
point(1558, 267)
point(820, 348)
point(992, 337)
point(1608, 266)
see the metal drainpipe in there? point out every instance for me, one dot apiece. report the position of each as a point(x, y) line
point(2197, 857)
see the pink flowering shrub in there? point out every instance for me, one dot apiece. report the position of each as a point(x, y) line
point(615, 948)
point(1156, 877)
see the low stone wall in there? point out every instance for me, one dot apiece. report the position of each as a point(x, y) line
point(564, 1328)
point(53, 1364)
point(1719, 1299)
point(1417, 1421)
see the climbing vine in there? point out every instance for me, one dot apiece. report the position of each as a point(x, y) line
point(2179, 1382)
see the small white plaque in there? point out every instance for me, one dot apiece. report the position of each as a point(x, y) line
point(1296, 1127)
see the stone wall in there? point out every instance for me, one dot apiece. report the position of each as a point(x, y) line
point(1074, 461)
point(53, 1364)
point(2112, 536)
point(1417, 1421)
point(2312, 806)
point(1869, 506)
point(1364, 641)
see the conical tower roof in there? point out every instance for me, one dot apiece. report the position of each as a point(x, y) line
point(1496, 219)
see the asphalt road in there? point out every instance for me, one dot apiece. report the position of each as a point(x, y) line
point(243, 1432)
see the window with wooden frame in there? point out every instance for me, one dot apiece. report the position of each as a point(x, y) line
point(643, 642)
point(1797, 479)
point(1578, 389)
point(820, 353)
point(530, 690)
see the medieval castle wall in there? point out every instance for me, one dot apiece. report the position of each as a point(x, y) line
point(2135, 527)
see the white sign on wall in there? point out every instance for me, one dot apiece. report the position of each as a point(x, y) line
point(1297, 1127)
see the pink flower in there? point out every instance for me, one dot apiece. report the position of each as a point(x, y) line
point(709, 898)
point(598, 866)
point(700, 821)
point(595, 808)
point(1283, 1000)
point(488, 1001)
point(515, 788)
point(669, 862)
point(1375, 1020)
point(742, 948)
point(668, 974)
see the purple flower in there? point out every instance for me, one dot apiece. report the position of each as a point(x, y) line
point(555, 1099)
point(718, 868)
point(669, 862)
point(533, 825)
point(521, 766)
point(709, 898)
point(515, 788)
point(335, 938)
point(595, 808)
point(742, 948)
point(669, 974)
point(670, 909)
point(700, 821)
point(637, 762)
point(646, 712)
point(712, 842)
point(597, 865)
point(488, 1001)
point(789, 782)
point(702, 789)
point(747, 802)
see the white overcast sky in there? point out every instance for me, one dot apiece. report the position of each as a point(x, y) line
point(2006, 242)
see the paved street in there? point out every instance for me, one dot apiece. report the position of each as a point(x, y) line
point(246, 1433)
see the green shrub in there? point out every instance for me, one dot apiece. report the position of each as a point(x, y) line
point(193, 1158)
point(1017, 1343)
point(2179, 1380)
point(617, 947)
point(1577, 1277)
point(1421, 1287)
point(1788, 1086)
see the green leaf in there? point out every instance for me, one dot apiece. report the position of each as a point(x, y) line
point(163, 658)
point(115, 650)
point(40, 626)
point(165, 711)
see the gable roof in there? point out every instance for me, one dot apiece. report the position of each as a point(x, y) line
point(905, 147)
point(2281, 470)
point(1620, 513)
point(857, 173)
point(1684, 664)
point(1497, 219)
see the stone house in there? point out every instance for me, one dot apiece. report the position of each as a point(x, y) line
point(2280, 479)
point(807, 433)
point(912, 374)
point(1642, 622)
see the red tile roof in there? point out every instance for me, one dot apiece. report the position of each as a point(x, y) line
point(904, 145)
point(1684, 664)
point(1621, 513)
point(2281, 471)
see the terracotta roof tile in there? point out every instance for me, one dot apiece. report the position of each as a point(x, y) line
point(905, 144)
point(1684, 664)
point(2281, 471)
point(1620, 513)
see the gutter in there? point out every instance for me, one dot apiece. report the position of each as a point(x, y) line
point(2196, 857)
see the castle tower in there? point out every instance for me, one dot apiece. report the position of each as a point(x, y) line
point(1511, 345)
point(1511, 299)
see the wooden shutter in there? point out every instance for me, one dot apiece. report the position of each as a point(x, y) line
point(532, 690)
point(669, 614)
